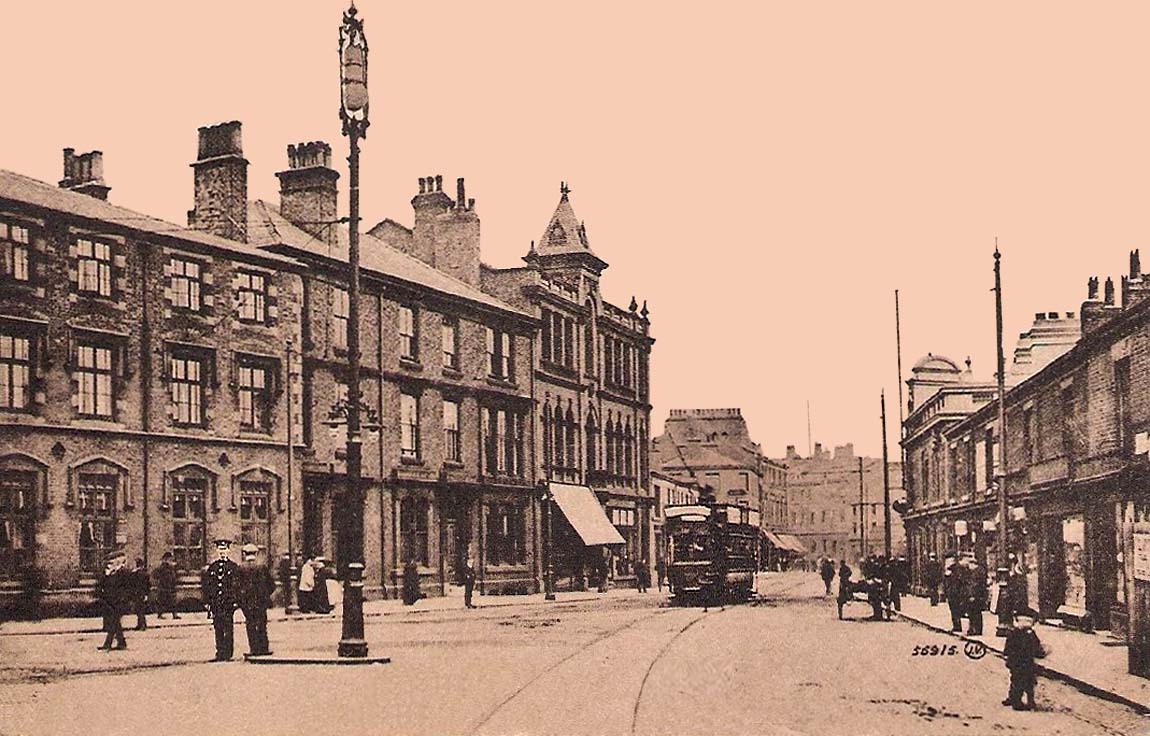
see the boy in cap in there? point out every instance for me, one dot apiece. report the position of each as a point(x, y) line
point(255, 598)
point(1021, 649)
point(114, 591)
point(220, 594)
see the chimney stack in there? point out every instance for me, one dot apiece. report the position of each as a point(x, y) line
point(85, 173)
point(308, 191)
point(446, 233)
point(221, 183)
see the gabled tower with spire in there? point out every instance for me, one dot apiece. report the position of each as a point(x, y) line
point(564, 246)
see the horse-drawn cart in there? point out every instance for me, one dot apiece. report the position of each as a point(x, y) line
point(873, 591)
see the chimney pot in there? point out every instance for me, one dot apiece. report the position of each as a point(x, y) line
point(439, 182)
point(460, 195)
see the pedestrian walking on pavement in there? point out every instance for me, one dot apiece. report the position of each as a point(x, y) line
point(468, 583)
point(306, 589)
point(642, 576)
point(1016, 589)
point(411, 591)
point(166, 580)
point(255, 588)
point(899, 581)
point(932, 577)
point(977, 595)
point(220, 595)
point(141, 592)
point(283, 573)
point(1021, 649)
point(954, 587)
point(827, 572)
point(321, 602)
point(114, 593)
point(660, 571)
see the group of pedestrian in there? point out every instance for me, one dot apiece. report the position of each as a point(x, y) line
point(885, 581)
point(224, 587)
point(964, 583)
point(312, 594)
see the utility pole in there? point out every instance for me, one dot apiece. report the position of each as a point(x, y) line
point(293, 572)
point(885, 484)
point(862, 515)
point(1004, 623)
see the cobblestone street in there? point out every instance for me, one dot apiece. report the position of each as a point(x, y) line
point(626, 664)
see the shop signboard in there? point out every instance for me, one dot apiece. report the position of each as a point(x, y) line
point(1142, 556)
point(960, 528)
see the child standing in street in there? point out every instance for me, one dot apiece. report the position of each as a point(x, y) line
point(1021, 649)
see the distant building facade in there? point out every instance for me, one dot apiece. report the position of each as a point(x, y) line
point(829, 514)
point(713, 447)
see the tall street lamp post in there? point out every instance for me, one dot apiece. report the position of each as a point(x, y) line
point(353, 113)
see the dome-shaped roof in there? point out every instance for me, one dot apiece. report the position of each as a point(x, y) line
point(937, 364)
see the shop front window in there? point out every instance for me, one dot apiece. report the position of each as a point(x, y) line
point(1073, 550)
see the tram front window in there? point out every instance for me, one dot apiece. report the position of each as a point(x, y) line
point(691, 546)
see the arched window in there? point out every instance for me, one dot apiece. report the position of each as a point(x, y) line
point(592, 431)
point(100, 484)
point(188, 490)
point(22, 481)
point(628, 451)
point(413, 529)
point(589, 340)
point(256, 488)
point(547, 454)
point(572, 429)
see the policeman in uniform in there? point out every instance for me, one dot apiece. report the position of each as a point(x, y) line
point(220, 582)
point(255, 598)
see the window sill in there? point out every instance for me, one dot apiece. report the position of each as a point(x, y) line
point(501, 382)
point(453, 464)
point(414, 461)
point(452, 372)
point(410, 363)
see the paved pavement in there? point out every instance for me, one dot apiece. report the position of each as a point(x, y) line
point(620, 664)
point(1095, 661)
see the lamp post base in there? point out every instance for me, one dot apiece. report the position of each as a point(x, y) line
point(352, 648)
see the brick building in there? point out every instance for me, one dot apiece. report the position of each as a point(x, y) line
point(146, 370)
point(591, 387)
point(826, 512)
point(1076, 470)
point(143, 399)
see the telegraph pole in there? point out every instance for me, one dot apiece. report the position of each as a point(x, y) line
point(885, 485)
point(862, 516)
point(1000, 477)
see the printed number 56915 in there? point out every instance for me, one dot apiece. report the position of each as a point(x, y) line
point(934, 650)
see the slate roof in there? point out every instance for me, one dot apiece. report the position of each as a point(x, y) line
point(267, 227)
point(564, 232)
point(26, 190)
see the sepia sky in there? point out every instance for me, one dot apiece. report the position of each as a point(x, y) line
point(764, 174)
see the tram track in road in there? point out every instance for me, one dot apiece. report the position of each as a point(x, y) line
point(490, 714)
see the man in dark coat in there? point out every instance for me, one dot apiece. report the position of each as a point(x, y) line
point(411, 591)
point(166, 580)
point(1021, 649)
point(255, 598)
point(320, 600)
point(114, 592)
point(468, 583)
point(220, 592)
point(283, 574)
point(827, 573)
point(977, 595)
point(899, 580)
point(845, 587)
point(141, 591)
point(932, 577)
point(955, 588)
